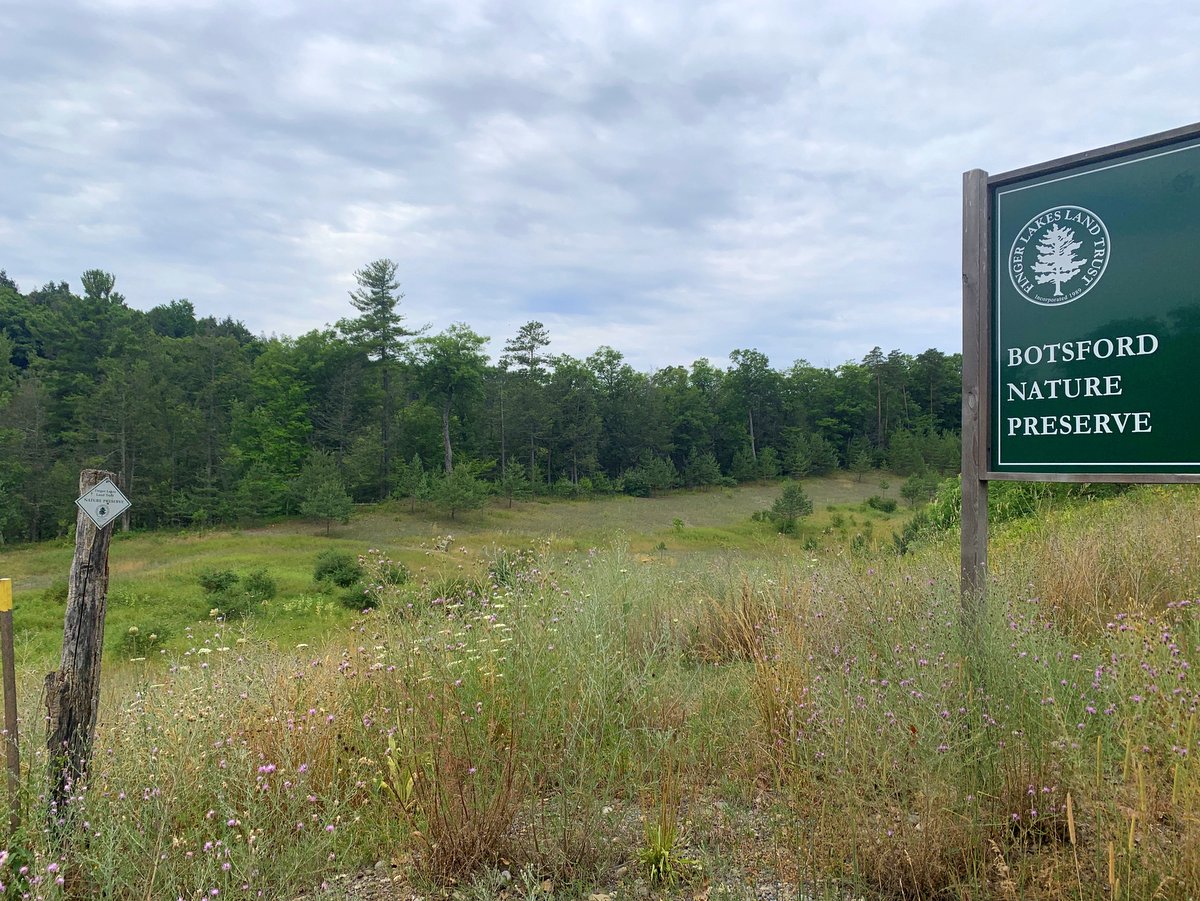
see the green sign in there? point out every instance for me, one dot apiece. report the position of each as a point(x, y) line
point(1096, 315)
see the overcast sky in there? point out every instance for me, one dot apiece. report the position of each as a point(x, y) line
point(675, 180)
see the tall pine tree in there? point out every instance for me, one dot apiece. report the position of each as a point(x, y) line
point(379, 331)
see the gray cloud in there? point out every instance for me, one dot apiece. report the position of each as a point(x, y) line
point(674, 180)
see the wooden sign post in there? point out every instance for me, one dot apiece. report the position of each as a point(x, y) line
point(12, 746)
point(73, 692)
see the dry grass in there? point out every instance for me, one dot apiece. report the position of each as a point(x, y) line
point(1109, 558)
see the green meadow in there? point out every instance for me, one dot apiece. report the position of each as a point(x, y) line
point(154, 576)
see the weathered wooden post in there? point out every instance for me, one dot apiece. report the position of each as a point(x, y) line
point(73, 692)
point(976, 337)
point(8, 661)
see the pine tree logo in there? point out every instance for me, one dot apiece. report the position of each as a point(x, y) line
point(1059, 255)
point(1056, 260)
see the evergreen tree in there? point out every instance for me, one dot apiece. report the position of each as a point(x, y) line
point(526, 354)
point(412, 482)
point(769, 466)
point(824, 456)
point(328, 501)
point(904, 453)
point(702, 470)
point(860, 464)
point(461, 489)
point(378, 330)
point(514, 484)
point(743, 468)
point(652, 475)
point(919, 488)
point(791, 504)
point(572, 396)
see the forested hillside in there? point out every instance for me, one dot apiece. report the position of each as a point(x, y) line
point(204, 421)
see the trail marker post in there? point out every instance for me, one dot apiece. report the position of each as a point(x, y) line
point(11, 742)
point(1081, 326)
point(73, 692)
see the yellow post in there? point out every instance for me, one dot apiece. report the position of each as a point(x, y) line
point(8, 662)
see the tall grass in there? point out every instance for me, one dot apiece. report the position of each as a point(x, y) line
point(562, 714)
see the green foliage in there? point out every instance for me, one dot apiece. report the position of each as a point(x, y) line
point(651, 476)
point(461, 489)
point(211, 425)
point(378, 326)
point(861, 462)
point(809, 453)
point(659, 855)
point(329, 501)
point(919, 488)
point(259, 585)
point(824, 455)
point(378, 332)
point(338, 567)
point(791, 504)
point(565, 488)
point(450, 371)
point(56, 593)
point(413, 482)
point(743, 468)
point(882, 504)
point(603, 485)
point(139, 641)
point(769, 465)
point(515, 485)
point(701, 470)
point(566, 688)
point(233, 596)
point(1007, 502)
point(904, 453)
point(214, 581)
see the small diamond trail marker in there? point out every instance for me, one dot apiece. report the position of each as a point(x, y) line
point(103, 503)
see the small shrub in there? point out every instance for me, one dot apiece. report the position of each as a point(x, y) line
point(217, 581)
point(259, 585)
point(602, 484)
point(355, 598)
point(393, 572)
point(56, 592)
point(232, 604)
point(883, 504)
point(566, 488)
point(636, 482)
point(381, 580)
point(340, 568)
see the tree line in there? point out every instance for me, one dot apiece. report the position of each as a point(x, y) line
point(206, 422)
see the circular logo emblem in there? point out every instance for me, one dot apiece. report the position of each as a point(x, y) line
point(1059, 255)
